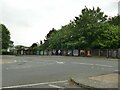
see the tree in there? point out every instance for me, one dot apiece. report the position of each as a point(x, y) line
point(46, 43)
point(60, 38)
point(34, 45)
point(115, 25)
point(90, 29)
point(5, 38)
point(50, 33)
point(19, 47)
point(88, 26)
point(114, 20)
point(108, 36)
point(41, 42)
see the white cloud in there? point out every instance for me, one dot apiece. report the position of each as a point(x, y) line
point(30, 20)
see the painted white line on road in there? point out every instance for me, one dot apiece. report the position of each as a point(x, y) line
point(60, 62)
point(92, 64)
point(28, 85)
point(103, 65)
point(54, 86)
point(116, 70)
point(27, 67)
point(82, 63)
point(15, 60)
point(9, 62)
point(19, 67)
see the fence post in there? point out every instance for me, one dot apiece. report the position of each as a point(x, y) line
point(119, 53)
point(107, 53)
point(99, 52)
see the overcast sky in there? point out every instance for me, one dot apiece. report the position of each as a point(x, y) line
point(30, 20)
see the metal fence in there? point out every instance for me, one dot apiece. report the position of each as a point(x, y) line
point(109, 53)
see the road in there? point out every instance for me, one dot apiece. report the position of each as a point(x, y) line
point(51, 71)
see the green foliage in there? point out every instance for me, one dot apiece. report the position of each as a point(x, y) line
point(50, 33)
point(4, 36)
point(34, 45)
point(89, 30)
point(88, 26)
point(114, 20)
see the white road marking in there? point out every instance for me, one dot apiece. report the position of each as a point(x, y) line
point(30, 66)
point(23, 67)
point(15, 60)
point(82, 63)
point(66, 83)
point(27, 85)
point(92, 64)
point(116, 70)
point(60, 62)
point(103, 65)
point(9, 62)
point(54, 86)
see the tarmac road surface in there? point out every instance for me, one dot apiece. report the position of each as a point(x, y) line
point(51, 71)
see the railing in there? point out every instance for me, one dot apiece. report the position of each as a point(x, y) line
point(109, 53)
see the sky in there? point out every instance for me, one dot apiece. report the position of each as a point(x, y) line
point(29, 21)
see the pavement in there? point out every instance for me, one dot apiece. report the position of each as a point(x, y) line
point(56, 71)
point(110, 80)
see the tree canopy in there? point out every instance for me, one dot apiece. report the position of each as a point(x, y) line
point(90, 30)
point(5, 37)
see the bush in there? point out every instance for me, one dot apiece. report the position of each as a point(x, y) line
point(7, 53)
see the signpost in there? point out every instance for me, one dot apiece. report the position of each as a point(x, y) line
point(119, 53)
